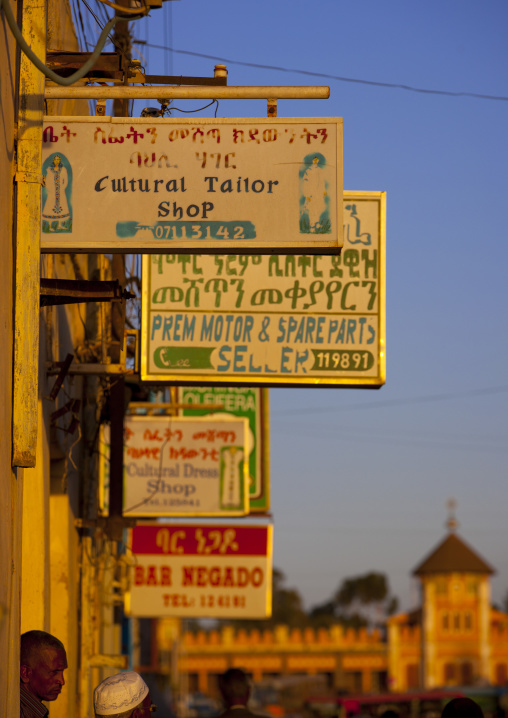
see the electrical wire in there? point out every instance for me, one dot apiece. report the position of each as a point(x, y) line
point(126, 10)
point(339, 78)
point(365, 436)
point(83, 71)
point(111, 39)
point(65, 81)
point(80, 26)
point(159, 480)
point(399, 402)
point(199, 108)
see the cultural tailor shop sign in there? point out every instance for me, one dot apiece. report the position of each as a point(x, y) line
point(248, 402)
point(201, 571)
point(252, 319)
point(176, 466)
point(142, 185)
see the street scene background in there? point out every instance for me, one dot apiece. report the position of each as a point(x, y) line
point(360, 479)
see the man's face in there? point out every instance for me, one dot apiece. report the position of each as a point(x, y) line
point(44, 676)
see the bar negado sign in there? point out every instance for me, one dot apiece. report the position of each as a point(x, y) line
point(249, 319)
point(200, 185)
point(201, 570)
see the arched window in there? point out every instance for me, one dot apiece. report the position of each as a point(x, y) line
point(446, 622)
point(456, 621)
point(468, 621)
point(441, 586)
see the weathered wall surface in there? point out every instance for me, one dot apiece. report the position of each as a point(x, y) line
point(10, 499)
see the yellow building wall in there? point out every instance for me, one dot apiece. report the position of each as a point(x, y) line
point(11, 480)
point(460, 642)
point(35, 585)
point(349, 658)
point(332, 653)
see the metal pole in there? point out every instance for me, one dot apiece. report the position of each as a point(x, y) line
point(117, 410)
point(189, 93)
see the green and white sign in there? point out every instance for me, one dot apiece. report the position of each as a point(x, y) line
point(250, 403)
point(274, 320)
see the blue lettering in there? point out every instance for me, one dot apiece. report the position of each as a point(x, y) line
point(286, 355)
point(222, 356)
point(238, 365)
point(157, 323)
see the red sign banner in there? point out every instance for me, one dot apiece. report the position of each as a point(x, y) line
point(201, 571)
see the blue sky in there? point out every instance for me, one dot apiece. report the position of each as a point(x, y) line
point(360, 479)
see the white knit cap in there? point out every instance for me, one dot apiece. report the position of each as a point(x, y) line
point(120, 693)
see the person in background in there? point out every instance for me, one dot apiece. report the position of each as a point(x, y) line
point(235, 689)
point(462, 708)
point(42, 664)
point(123, 695)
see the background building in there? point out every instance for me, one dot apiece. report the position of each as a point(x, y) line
point(455, 638)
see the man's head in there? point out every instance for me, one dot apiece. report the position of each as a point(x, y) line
point(122, 696)
point(42, 663)
point(462, 708)
point(235, 688)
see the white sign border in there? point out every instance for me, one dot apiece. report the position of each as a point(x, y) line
point(269, 381)
point(244, 511)
point(59, 243)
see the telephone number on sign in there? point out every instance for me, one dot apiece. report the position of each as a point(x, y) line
point(204, 230)
point(349, 360)
point(223, 601)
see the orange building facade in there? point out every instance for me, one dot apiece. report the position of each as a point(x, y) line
point(454, 638)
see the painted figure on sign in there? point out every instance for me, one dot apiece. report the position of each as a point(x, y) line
point(314, 198)
point(352, 229)
point(56, 195)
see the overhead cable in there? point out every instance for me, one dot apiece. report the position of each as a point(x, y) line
point(79, 74)
point(399, 402)
point(339, 78)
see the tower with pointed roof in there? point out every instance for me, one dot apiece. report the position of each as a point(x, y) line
point(452, 639)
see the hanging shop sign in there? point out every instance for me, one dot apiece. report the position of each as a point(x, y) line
point(142, 185)
point(201, 571)
point(175, 466)
point(279, 320)
point(248, 402)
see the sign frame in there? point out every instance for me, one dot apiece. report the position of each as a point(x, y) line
point(128, 185)
point(183, 496)
point(259, 423)
point(161, 550)
point(326, 378)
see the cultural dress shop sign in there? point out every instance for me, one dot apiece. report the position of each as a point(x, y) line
point(252, 319)
point(198, 185)
point(251, 403)
point(182, 466)
point(201, 571)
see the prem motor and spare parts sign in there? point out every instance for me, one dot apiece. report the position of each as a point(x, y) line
point(162, 185)
point(176, 466)
point(279, 320)
point(201, 571)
